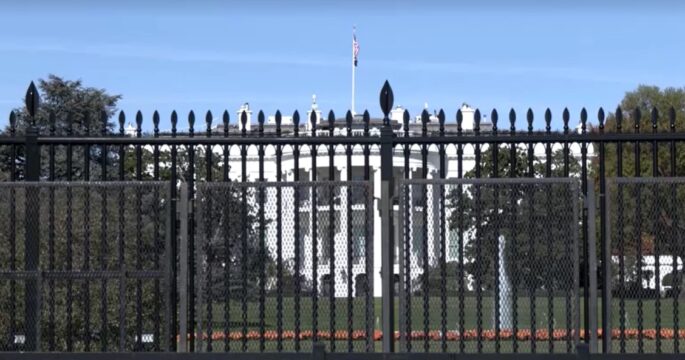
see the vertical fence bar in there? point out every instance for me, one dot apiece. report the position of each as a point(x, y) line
point(157, 289)
point(183, 269)
point(403, 223)
point(638, 235)
point(207, 220)
point(173, 287)
point(405, 260)
point(460, 229)
point(368, 287)
point(387, 226)
point(368, 290)
point(531, 246)
point(262, 236)
point(591, 284)
point(513, 229)
point(104, 154)
point(227, 247)
point(586, 234)
point(297, 231)
point(657, 265)
point(676, 284)
point(331, 233)
point(32, 237)
point(443, 237)
point(573, 337)
point(604, 243)
point(424, 234)
point(169, 339)
point(548, 235)
point(70, 234)
point(139, 235)
point(51, 239)
point(351, 248)
point(315, 235)
point(85, 266)
point(495, 174)
point(479, 240)
point(621, 240)
point(279, 240)
point(190, 179)
point(13, 229)
point(243, 245)
point(120, 237)
point(569, 291)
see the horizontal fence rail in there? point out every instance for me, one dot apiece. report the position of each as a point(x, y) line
point(320, 150)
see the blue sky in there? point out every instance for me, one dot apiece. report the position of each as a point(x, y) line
point(210, 55)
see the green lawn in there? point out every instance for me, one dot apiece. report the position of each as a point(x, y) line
point(524, 320)
point(435, 346)
point(524, 316)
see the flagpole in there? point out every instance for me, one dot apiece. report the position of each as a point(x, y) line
point(353, 71)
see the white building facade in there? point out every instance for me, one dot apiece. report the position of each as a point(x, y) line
point(340, 162)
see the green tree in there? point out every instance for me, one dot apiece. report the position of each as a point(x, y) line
point(90, 222)
point(529, 217)
point(86, 107)
point(661, 228)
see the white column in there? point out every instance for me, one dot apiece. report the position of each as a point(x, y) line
point(377, 290)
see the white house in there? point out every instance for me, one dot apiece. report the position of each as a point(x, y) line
point(306, 172)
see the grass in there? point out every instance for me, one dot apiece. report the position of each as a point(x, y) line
point(543, 315)
point(433, 321)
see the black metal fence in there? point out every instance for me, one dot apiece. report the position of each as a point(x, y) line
point(98, 276)
point(52, 147)
point(284, 265)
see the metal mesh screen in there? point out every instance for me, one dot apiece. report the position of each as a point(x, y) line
point(83, 266)
point(489, 265)
point(282, 265)
point(646, 222)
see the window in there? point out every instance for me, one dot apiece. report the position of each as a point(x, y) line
point(324, 232)
point(304, 231)
point(359, 232)
point(325, 192)
point(326, 285)
point(358, 197)
point(361, 285)
point(417, 237)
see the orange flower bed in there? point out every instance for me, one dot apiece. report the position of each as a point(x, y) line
point(435, 335)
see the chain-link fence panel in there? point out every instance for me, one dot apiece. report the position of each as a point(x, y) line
point(489, 265)
point(645, 231)
point(285, 264)
point(84, 266)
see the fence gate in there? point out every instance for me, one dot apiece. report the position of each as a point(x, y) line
point(646, 248)
point(282, 265)
point(489, 265)
point(84, 266)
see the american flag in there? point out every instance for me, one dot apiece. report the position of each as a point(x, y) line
point(355, 48)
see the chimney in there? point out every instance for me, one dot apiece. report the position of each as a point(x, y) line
point(467, 113)
point(397, 114)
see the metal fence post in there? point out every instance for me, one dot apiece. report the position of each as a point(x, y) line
point(387, 226)
point(31, 223)
point(318, 351)
point(592, 269)
point(183, 271)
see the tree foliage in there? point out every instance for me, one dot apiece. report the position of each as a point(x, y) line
point(533, 219)
point(658, 226)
